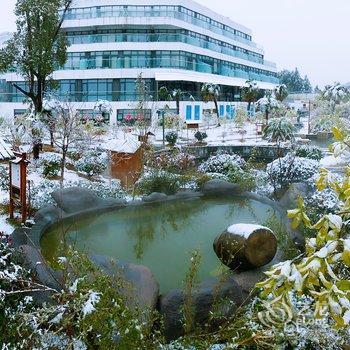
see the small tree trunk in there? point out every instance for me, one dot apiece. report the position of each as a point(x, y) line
point(245, 247)
point(217, 111)
point(63, 164)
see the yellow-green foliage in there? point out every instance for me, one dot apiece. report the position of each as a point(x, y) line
point(319, 272)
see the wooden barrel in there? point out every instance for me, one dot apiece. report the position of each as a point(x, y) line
point(246, 246)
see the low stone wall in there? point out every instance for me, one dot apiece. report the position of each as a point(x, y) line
point(261, 153)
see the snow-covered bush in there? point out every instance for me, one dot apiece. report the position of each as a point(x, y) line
point(291, 169)
point(176, 162)
point(221, 163)
point(200, 136)
point(171, 137)
point(161, 182)
point(4, 178)
point(40, 193)
point(322, 202)
point(51, 163)
point(311, 152)
point(92, 163)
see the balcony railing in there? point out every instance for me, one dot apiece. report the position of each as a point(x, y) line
point(165, 62)
point(187, 39)
point(111, 12)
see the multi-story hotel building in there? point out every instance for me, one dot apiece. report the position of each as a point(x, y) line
point(173, 43)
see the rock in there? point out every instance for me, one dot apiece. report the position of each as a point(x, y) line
point(50, 213)
point(143, 290)
point(155, 197)
point(289, 199)
point(34, 261)
point(217, 187)
point(221, 292)
point(76, 199)
point(244, 246)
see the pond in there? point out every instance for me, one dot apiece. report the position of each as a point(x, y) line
point(160, 236)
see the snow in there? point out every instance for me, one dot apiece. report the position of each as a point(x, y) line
point(128, 144)
point(89, 306)
point(5, 151)
point(245, 230)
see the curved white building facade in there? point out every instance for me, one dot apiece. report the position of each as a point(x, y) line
point(177, 44)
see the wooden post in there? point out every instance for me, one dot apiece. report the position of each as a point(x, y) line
point(18, 185)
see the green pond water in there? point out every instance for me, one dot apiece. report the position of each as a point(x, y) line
point(160, 236)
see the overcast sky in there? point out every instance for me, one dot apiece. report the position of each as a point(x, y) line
point(313, 35)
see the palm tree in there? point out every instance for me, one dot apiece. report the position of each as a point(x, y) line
point(176, 95)
point(281, 92)
point(279, 130)
point(250, 93)
point(210, 93)
point(266, 105)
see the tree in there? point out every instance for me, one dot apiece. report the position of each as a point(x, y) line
point(281, 92)
point(38, 47)
point(266, 105)
point(210, 93)
point(279, 130)
point(250, 93)
point(69, 131)
point(176, 95)
point(294, 82)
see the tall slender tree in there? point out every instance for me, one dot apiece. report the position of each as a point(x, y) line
point(250, 93)
point(37, 48)
point(281, 92)
point(211, 93)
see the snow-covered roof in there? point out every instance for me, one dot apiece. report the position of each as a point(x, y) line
point(5, 151)
point(128, 144)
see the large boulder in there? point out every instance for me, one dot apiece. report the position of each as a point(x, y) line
point(218, 187)
point(50, 213)
point(141, 288)
point(155, 197)
point(42, 272)
point(220, 295)
point(290, 197)
point(76, 199)
point(245, 246)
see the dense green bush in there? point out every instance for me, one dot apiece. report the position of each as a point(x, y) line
point(4, 178)
point(200, 135)
point(91, 164)
point(241, 177)
point(160, 181)
point(171, 137)
point(311, 152)
point(51, 164)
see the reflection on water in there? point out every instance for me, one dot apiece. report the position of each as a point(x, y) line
point(160, 236)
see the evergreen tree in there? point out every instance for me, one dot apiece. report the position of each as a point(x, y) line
point(294, 82)
point(38, 47)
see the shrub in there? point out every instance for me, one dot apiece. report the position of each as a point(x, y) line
point(311, 152)
point(242, 178)
point(178, 162)
point(221, 163)
point(291, 169)
point(171, 138)
point(91, 164)
point(279, 130)
point(160, 181)
point(200, 135)
point(51, 163)
point(4, 178)
point(40, 193)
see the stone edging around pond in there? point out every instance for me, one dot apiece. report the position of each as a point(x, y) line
point(232, 286)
